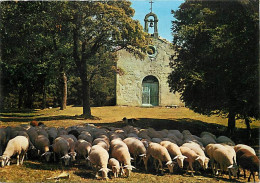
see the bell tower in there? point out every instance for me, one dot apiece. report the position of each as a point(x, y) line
point(153, 22)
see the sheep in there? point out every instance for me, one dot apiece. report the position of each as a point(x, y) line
point(191, 155)
point(72, 141)
point(152, 133)
point(136, 148)
point(178, 141)
point(243, 146)
point(208, 134)
point(33, 134)
point(16, 146)
point(225, 140)
point(176, 133)
point(83, 148)
point(203, 160)
point(3, 140)
point(156, 140)
point(226, 160)
point(115, 166)
point(174, 151)
point(61, 149)
point(102, 142)
point(160, 153)
point(143, 133)
point(52, 133)
point(207, 139)
point(85, 135)
point(98, 156)
point(42, 143)
point(121, 153)
point(247, 160)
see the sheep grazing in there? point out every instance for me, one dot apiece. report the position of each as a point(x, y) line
point(115, 166)
point(160, 153)
point(174, 151)
point(16, 146)
point(136, 148)
point(42, 143)
point(191, 155)
point(203, 160)
point(248, 161)
point(83, 148)
point(121, 153)
point(71, 139)
point(226, 160)
point(98, 156)
point(61, 149)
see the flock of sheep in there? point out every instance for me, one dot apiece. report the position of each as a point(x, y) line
point(116, 149)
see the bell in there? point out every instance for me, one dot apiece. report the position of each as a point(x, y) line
point(151, 24)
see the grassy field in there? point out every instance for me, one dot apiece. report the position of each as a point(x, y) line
point(158, 118)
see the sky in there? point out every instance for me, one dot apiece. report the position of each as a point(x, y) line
point(162, 8)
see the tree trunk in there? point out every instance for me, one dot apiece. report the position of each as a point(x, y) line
point(29, 99)
point(44, 96)
point(64, 91)
point(247, 121)
point(231, 122)
point(86, 98)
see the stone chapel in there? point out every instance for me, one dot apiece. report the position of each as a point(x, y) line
point(144, 82)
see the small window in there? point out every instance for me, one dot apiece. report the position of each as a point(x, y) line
point(151, 51)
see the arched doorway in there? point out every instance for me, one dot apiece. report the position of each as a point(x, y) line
point(150, 91)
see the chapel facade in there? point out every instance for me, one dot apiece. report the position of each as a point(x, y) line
point(144, 82)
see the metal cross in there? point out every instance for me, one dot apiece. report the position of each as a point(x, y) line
point(151, 5)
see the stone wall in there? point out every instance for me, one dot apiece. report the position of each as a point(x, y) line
point(129, 84)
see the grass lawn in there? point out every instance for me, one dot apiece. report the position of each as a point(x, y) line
point(157, 117)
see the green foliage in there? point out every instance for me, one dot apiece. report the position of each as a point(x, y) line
point(216, 69)
point(43, 40)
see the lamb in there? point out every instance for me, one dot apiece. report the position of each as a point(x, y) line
point(3, 140)
point(98, 156)
point(136, 148)
point(203, 160)
point(160, 153)
point(248, 161)
point(174, 151)
point(121, 153)
point(42, 143)
point(61, 149)
point(243, 146)
point(225, 140)
point(16, 146)
point(83, 148)
point(226, 160)
point(191, 155)
point(114, 165)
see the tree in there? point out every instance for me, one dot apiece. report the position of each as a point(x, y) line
point(100, 28)
point(216, 65)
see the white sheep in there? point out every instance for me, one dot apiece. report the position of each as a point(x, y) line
point(203, 160)
point(61, 149)
point(121, 153)
point(226, 159)
point(136, 148)
point(174, 151)
point(160, 153)
point(102, 142)
point(42, 143)
point(191, 155)
point(115, 166)
point(98, 156)
point(16, 146)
